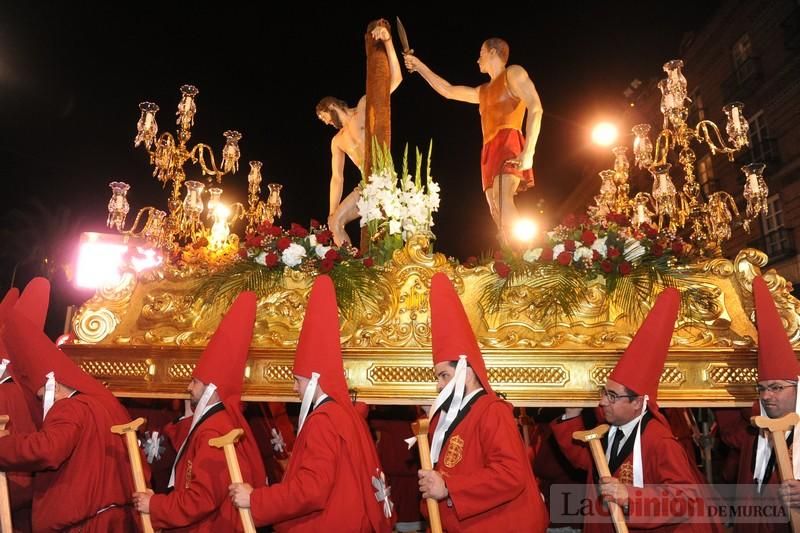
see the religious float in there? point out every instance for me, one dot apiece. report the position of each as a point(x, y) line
point(552, 317)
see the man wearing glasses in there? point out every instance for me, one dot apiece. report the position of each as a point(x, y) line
point(647, 464)
point(778, 369)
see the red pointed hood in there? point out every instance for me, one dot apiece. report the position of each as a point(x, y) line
point(776, 357)
point(225, 357)
point(642, 364)
point(34, 301)
point(319, 346)
point(33, 355)
point(6, 305)
point(451, 333)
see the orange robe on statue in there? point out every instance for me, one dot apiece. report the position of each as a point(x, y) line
point(487, 472)
point(83, 478)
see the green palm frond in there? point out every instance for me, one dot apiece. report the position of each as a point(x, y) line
point(555, 291)
point(221, 287)
point(357, 287)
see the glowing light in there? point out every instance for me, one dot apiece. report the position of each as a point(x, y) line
point(99, 262)
point(604, 134)
point(524, 230)
point(220, 229)
point(147, 258)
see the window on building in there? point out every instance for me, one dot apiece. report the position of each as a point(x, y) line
point(742, 55)
point(776, 238)
point(697, 110)
point(705, 175)
point(762, 147)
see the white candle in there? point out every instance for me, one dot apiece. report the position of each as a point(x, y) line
point(735, 117)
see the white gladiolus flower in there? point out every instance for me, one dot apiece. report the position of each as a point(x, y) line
point(260, 258)
point(557, 249)
point(312, 240)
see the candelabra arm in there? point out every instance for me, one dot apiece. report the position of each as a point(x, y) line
point(238, 212)
point(701, 130)
point(198, 155)
point(663, 142)
point(136, 221)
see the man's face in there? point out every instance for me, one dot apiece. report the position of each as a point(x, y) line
point(196, 388)
point(778, 396)
point(444, 372)
point(618, 408)
point(331, 117)
point(300, 384)
point(483, 58)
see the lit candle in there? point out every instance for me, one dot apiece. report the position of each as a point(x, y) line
point(735, 117)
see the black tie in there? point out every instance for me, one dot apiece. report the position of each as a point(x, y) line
point(615, 446)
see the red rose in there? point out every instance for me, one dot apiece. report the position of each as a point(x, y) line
point(502, 269)
point(565, 258)
point(264, 227)
point(332, 254)
point(651, 231)
point(326, 265)
point(606, 266)
point(368, 262)
point(283, 243)
point(624, 268)
point(324, 237)
point(243, 253)
point(613, 252)
point(677, 247)
point(298, 231)
point(596, 255)
point(274, 231)
point(314, 223)
point(547, 255)
point(569, 245)
point(657, 250)
point(588, 237)
point(583, 219)
point(569, 221)
point(271, 259)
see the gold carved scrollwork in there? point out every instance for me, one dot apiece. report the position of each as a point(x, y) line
point(671, 377)
point(94, 325)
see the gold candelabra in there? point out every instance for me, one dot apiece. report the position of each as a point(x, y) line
point(707, 221)
point(169, 155)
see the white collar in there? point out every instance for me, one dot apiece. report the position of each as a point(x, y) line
point(319, 400)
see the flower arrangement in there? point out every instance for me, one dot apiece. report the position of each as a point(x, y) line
point(632, 262)
point(266, 253)
point(395, 210)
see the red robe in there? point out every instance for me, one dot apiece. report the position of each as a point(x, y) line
point(664, 462)
point(199, 501)
point(322, 489)
point(20, 484)
point(487, 473)
point(81, 468)
point(736, 432)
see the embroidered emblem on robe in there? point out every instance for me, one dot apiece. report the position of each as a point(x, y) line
point(188, 475)
point(625, 473)
point(455, 451)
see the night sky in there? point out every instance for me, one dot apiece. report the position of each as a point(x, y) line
point(72, 76)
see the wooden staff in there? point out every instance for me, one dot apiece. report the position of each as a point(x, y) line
point(129, 432)
point(592, 437)
point(778, 428)
point(227, 443)
point(420, 429)
point(5, 504)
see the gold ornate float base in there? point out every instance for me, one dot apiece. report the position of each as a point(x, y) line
point(143, 338)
